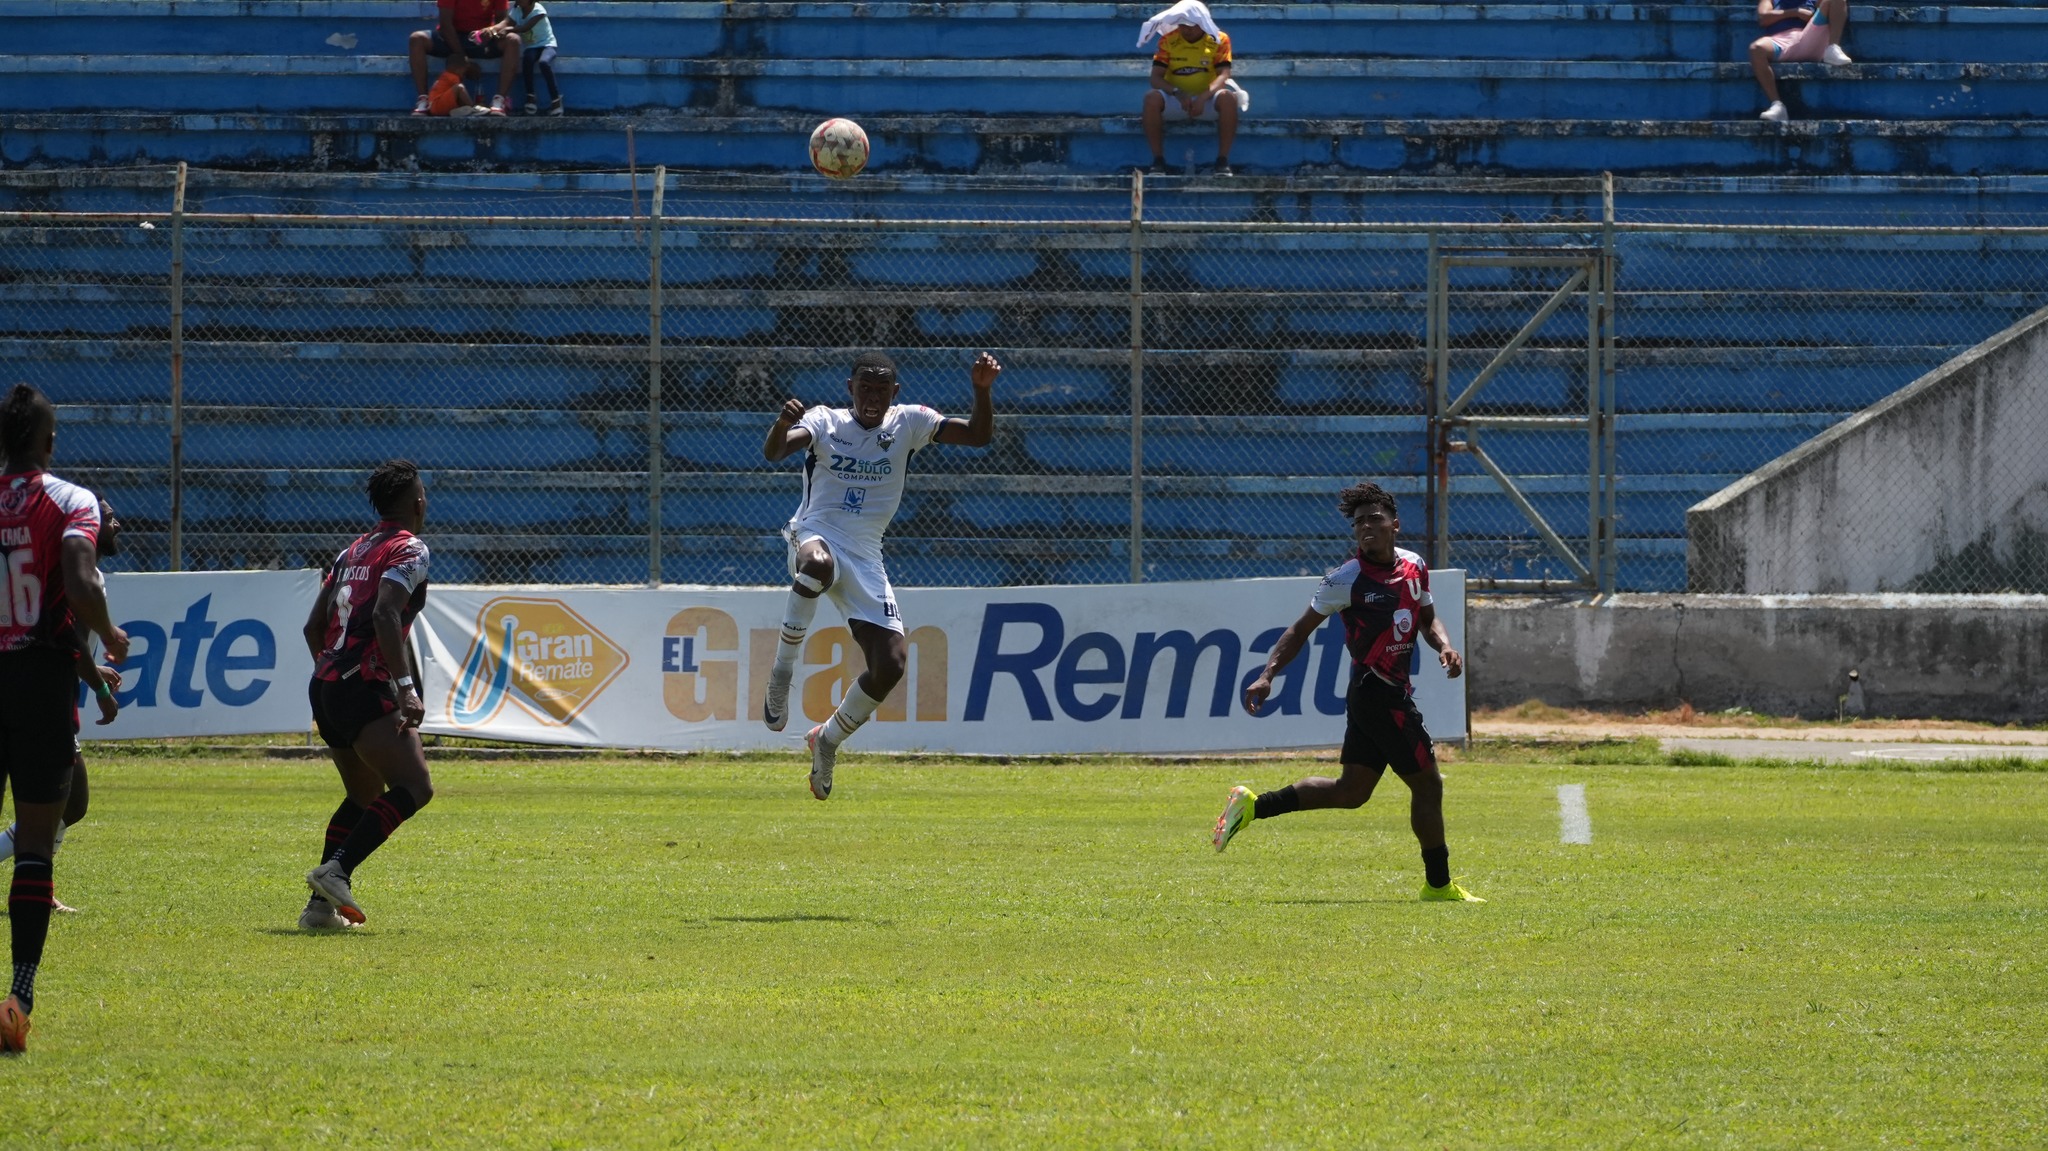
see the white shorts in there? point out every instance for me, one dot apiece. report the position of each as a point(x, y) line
point(1174, 111)
point(860, 584)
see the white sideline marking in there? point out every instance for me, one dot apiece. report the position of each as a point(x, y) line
point(1571, 811)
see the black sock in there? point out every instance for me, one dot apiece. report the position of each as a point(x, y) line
point(29, 901)
point(1436, 866)
point(375, 826)
point(1272, 803)
point(339, 825)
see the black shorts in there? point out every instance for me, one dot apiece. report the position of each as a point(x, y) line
point(38, 732)
point(1383, 728)
point(488, 50)
point(342, 708)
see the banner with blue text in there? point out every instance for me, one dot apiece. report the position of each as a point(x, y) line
point(210, 653)
point(1111, 668)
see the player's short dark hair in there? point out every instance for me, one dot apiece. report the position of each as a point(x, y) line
point(391, 482)
point(873, 363)
point(1365, 495)
point(24, 416)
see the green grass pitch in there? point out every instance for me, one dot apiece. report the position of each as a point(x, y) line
point(635, 953)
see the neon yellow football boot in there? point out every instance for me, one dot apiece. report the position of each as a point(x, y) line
point(1236, 814)
point(1448, 893)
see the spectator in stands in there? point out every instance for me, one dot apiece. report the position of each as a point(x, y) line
point(467, 28)
point(1190, 80)
point(537, 32)
point(1796, 36)
point(450, 96)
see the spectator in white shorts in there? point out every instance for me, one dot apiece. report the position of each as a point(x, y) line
point(1796, 36)
point(1190, 80)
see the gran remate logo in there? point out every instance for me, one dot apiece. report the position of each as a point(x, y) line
point(537, 653)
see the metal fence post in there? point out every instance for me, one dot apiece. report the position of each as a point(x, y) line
point(654, 447)
point(1137, 377)
point(1608, 572)
point(178, 372)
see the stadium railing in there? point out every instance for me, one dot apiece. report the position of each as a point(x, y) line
point(1188, 382)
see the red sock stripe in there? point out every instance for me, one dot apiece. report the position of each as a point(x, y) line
point(337, 834)
point(40, 891)
point(386, 815)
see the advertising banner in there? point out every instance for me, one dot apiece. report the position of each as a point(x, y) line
point(1111, 668)
point(210, 653)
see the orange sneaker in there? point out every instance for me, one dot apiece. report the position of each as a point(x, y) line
point(13, 1025)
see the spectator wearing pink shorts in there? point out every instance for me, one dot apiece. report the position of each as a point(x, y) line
point(1796, 36)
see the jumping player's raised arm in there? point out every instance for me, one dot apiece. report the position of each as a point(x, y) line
point(786, 436)
point(980, 426)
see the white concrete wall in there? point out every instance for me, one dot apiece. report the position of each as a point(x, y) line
point(1878, 502)
point(1922, 656)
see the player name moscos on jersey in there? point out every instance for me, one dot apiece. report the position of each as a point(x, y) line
point(1380, 606)
point(388, 553)
point(37, 511)
point(853, 476)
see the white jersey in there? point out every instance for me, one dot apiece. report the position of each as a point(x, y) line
point(853, 476)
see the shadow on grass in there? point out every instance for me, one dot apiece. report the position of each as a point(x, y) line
point(328, 932)
point(1336, 902)
point(793, 917)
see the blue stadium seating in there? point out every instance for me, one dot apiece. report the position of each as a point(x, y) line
point(1277, 368)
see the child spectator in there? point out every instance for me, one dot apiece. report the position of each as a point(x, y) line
point(450, 97)
point(537, 32)
point(1795, 35)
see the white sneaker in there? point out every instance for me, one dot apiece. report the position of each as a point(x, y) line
point(58, 906)
point(419, 106)
point(329, 881)
point(497, 106)
point(1776, 113)
point(775, 708)
point(823, 756)
point(1834, 55)
point(320, 915)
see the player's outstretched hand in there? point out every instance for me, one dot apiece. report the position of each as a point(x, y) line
point(792, 411)
point(112, 677)
point(108, 709)
point(1454, 664)
point(984, 371)
point(1255, 695)
point(117, 645)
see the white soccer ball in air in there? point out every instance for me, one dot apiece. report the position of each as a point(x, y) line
point(839, 149)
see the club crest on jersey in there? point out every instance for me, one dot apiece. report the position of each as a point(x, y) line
point(13, 500)
point(1404, 622)
point(885, 439)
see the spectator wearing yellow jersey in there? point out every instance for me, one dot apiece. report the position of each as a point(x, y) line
point(1190, 80)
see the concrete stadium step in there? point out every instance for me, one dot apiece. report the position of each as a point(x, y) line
point(991, 31)
point(602, 503)
point(1690, 379)
point(1742, 145)
point(1286, 88)
point(1969, 201)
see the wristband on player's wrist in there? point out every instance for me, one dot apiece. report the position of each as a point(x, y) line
point(102, 690)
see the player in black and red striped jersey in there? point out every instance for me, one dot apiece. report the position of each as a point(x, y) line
point(1382, 593)
point(48, 529)
point(365, 689)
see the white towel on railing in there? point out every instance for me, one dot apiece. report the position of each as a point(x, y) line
point(1186, 12)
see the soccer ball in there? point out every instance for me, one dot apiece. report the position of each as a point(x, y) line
point(839, 149)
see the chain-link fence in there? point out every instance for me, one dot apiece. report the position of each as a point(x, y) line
point(1548, 382)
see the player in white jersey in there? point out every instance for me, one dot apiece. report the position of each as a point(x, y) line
point(854, 463)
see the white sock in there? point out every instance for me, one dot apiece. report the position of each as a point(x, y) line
point(7, 840)
point(797, 614)
point(853, 711)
